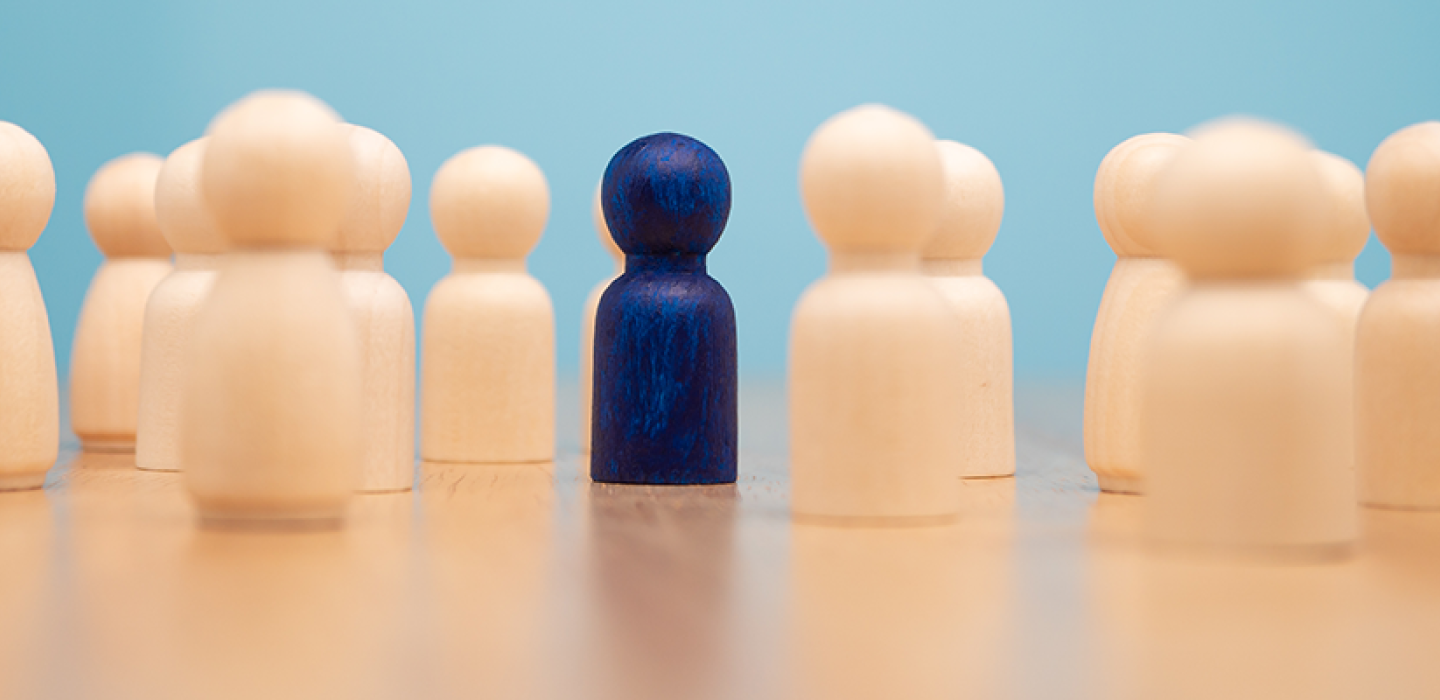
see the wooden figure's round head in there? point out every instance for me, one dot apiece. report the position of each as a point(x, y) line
point(27, 188)
point(277, 171)
point(1124, 188)
point(666, 194)
point(872, 182)
point(1344, 226)
point(120, 208)
point(974, 205)
point(1242, 201)
point(489, 202)
point(380, 198)
point(180, 207)
point(602, 230)
point(1402, 190)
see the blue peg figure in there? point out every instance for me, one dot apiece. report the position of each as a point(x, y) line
point(665, 408)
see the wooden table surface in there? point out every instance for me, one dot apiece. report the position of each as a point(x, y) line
point(527, 581)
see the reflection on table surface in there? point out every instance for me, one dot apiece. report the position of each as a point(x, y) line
point(528, 581)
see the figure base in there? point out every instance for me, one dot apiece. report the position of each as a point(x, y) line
point(1110, 483)
point(24, 481)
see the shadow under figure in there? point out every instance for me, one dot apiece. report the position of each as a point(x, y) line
point(665, 409)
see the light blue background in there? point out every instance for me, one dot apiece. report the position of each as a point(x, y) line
point(1044, 88)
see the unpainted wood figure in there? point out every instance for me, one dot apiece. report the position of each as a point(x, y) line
point(170, 313)
point(587, 322)
point(1397, 348)
point(487, 370)
point(875, 390)
point(29, 390)
point(384, 319)
point(1343, 231)
point(272, 403)
point(1141, 284)
point(105, 359)
point(952, 259)
point(1246, 385)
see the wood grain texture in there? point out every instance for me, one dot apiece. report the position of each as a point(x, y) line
point(1396, 373)
point(587, 321)
point(170, 313)
point(1141, 284)
point(953, 261)
point(1245, 437)
point(29, 389)
point(272, 402)
point(105, 359)
point(487, 373)
point(875, 380)
point(665, 405)
point(487, 576)
point(384, 319)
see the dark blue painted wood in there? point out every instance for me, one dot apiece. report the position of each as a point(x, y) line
point(665, 408)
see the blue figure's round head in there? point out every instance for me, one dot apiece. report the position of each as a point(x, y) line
point(665, 194)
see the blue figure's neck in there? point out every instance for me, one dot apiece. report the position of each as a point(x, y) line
point(668, 262)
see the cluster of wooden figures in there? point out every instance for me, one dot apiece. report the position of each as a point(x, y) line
point(1220, 379)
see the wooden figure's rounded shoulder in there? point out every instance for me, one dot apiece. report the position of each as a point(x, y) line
point(1402, 302)
point(680, 291)
point(872, 300)
point(971, 291)
point(503, 289)
point(1223, 316)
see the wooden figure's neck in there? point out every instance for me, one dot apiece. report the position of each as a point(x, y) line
point(1333, 271)
point(874, 262)
point(489, 265)
point(1414, 266)
point(367, 261)
point(667, 262)
point(954, 267)
point(197, 262)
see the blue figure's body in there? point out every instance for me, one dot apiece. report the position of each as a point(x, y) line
point(665, 408)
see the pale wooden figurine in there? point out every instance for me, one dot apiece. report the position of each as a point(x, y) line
point(272, 404)
point(1246, 386)
point(105, 359)
point(488, 367)
point(29, 392)
point(1141, 284)
point(875, 385)
point(383, 316)
point(1344, 230)
point(1397, 351)
point(952, 259)
point(587, 322)
point(170, 313)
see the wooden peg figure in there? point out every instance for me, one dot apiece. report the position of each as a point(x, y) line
point(272, 403)
point(876, 391)
point(1344, 231)
point(665, 407)
point(105, 359)
point(1246, 385)
point(587, 322)
point(1141, 284)
point(952, 259)
point(488, 367)
point(1397, 343)
point(170, 314)
point(384, 319)
point(1344, 228)
point(29, 391)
